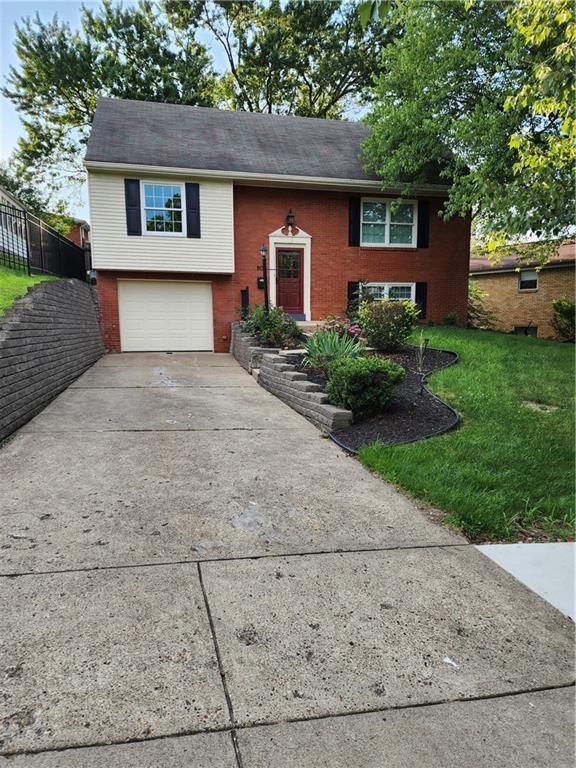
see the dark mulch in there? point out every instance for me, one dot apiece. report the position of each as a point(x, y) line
point(414, 413)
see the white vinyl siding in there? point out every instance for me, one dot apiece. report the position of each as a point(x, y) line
point(387, 223)
point(113, 248)
point(165, 316)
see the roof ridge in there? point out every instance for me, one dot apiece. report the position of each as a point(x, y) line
point(243, 112)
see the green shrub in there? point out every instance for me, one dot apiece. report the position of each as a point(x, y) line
point(563, 318)
point(325, 346)
point(479, 315)
point(363, 385)
point(353, 305)
point(450, 318)
point(272, 328)
point(387, 324)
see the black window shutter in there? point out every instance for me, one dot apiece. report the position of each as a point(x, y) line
point(133, 213)
point(353, 299)
point(353, 292)
point(354, 221)
point(192, 210)
point(421, 298)
point(423, 223)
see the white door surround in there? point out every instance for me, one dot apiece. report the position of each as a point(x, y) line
point(288, 238)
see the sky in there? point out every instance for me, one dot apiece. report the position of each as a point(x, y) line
point(67, 10)
point(10, 13)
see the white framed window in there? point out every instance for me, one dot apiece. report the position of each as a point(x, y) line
point(163, 208)
point(528, 280)
point(391, 291)
point(387, 223)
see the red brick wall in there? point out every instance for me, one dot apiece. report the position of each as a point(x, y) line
point(324, 216)
point(75, 234)
point(225, 303)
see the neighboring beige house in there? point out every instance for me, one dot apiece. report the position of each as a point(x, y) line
point(521, 296)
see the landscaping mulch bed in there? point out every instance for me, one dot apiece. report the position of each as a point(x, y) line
point(414, 414)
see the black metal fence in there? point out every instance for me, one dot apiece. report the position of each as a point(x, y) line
point(29, 244)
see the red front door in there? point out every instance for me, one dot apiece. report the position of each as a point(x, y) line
point(290, 280)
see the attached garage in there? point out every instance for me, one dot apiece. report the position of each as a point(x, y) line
point(165, 316)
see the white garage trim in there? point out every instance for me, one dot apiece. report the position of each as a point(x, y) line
point(165, 316)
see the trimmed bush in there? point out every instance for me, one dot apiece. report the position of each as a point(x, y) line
point(387, 324)
point(363, 385)
point(272, 328)
point(325, 346)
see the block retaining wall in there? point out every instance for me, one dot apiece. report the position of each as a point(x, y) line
point(278, 376)
point(246, 350)
point(47, 339)
point(281, 378)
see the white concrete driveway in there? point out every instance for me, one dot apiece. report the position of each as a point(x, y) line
point(192, 576)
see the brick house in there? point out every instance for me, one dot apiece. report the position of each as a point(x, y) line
point(521, 296)
point(79, 233)
point(183, 198)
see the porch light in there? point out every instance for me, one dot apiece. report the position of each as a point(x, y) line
point(290, 219)
point(263, 251)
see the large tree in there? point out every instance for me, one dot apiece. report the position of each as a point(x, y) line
point(129, 53)
point(481, 88)
point(298, 57)
point(34, 200)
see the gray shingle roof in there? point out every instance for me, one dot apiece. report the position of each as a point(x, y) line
point(177, 136)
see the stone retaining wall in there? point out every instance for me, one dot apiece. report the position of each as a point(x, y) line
point(274, 372)
point(281, 378)
point(246, 350)
point(47, 340)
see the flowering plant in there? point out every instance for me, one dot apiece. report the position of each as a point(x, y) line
point(342, 326)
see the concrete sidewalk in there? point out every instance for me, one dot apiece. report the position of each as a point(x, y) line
point(192, 576)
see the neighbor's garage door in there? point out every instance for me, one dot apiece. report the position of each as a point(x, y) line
point(165, 316)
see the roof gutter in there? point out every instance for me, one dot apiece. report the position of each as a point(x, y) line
point(502, 270)
point(260, 179)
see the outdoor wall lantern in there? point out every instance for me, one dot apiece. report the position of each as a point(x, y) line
point(290, 219)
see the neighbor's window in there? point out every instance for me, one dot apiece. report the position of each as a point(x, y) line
point(526, 330)
point(163, 213)
point(386, 223)
point(392, 291)
point(528, 280)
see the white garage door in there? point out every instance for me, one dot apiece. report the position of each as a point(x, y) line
point(165, 316)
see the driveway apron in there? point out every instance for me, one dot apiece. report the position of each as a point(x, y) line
point(190, 574)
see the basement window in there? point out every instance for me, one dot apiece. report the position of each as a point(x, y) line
point(528, 280)
point(391, 291)
point(526, 330)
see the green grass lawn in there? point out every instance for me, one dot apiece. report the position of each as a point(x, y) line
point(14, 284)
point(507, 472)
